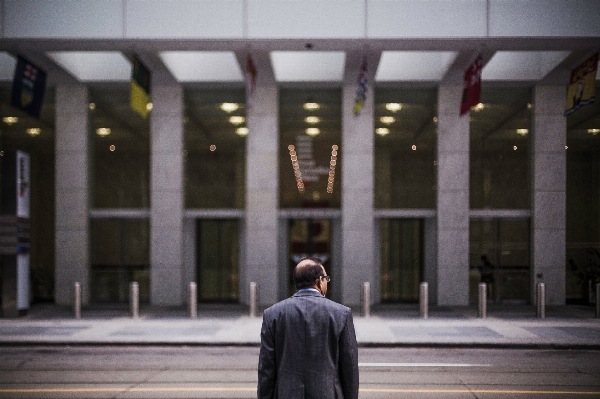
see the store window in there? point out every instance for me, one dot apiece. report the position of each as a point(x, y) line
point(499, 149)
point(405, 148)
point(35, 136)
point(215, 148)
point(583, 202)
point(121, 151)
point(310, 153)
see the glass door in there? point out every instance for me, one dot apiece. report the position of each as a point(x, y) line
point(309, 237)
point(218, 260)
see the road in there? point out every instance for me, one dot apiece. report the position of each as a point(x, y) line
point(230, 372)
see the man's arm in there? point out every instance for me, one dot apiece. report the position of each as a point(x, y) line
point(348, 363)
point(267, 369)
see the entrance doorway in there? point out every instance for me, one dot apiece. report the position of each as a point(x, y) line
point(217, 267)
point(402, 259)
point(499, 256)
point(309, 237)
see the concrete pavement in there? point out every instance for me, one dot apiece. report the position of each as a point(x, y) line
point(389, 325)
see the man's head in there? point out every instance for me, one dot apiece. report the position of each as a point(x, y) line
point(310, 273)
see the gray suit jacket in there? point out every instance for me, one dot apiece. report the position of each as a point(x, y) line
point(308, 350)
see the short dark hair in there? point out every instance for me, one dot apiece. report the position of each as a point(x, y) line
point(306, 276)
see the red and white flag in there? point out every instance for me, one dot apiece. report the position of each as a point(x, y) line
point(472, 86)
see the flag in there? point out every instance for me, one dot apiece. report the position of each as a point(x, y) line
point(250, 79)
point(582, 87)
point(361, 90)
point(28, 88)
point(140, 88)
point(472, 86)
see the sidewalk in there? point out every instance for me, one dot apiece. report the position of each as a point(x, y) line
point(567, 327)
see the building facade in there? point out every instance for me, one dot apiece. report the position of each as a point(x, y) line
point(227, 183)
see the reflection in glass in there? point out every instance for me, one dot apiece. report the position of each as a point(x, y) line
point(218, 260)
point(499, 150)
point(215, 148)
point(583, 201)
point(405, 148)
point(401, 259)
point(499, 256)
point(309, 175)
point(121, 151)
point(120, 255)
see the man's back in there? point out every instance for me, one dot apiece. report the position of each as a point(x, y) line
point(308, 350)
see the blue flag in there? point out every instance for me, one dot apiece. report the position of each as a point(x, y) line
point(28, 88)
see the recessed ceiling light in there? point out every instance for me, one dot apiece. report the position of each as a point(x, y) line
point(312, 119)
point(311, 106)
point(522, 132)
point(393, 107)
point(10, 120)
point(388, 120)
point(313, 131)
point(382, 131)
point(479, 107)
point(149, 106)
point(103, 131)
point(212, 147)
point(242, 131)
point(593, 131)
point(34, 131)
point(237, 120)
point(229, 107)
point(92, 106)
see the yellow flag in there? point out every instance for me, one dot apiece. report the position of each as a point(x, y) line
point(582, 88)
point(140, 88)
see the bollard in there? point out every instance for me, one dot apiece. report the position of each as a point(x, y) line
point(482, 308)
point(598, 301)
point(253, 299)
point(77, 301)
point(134, 300)
point(541, 301)
point(192, 301)
point(424, 300)
point(365, 300)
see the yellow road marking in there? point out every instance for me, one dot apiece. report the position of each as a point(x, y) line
point(252, 389)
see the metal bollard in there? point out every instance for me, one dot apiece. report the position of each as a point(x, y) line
point(366, 300)
point(541, 301)
point(77, 301)
point(482, 308)
point(253, 299)
point(598, 301)
point(424, 300)
point(192, 300)
point(134, 300)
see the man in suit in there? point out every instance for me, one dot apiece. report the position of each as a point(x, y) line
point(308, 345)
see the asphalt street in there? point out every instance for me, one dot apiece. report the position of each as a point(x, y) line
point(230, 372)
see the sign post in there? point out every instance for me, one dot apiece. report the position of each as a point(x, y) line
point(14, 233)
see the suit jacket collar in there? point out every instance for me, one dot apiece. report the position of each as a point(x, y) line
point(308, 293)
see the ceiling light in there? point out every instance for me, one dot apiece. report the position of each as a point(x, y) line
point(479, 107)
point(393, 107)
point(242, 131)
point(414, 147)
point(149, 106)
point(435, 119)
point(522, 132)
point(10, 120)
point(312, 119)
point(112, 147)
point(34, 131)
point(92, 106)
point(593, 131)
point(382, 131)
point(229, 107)
point(313, 131)
point(388, 120)
point(212, 147)
point(237, 120)
point(311, 106)
point(103, 131)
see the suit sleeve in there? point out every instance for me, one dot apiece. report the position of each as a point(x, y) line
point(267, 371)
point(348, 365)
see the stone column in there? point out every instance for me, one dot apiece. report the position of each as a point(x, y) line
point(262, 197)
point(452, 198)
point(548, 193)
point(358, 226)
point(72, 258)
point(166, 196)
